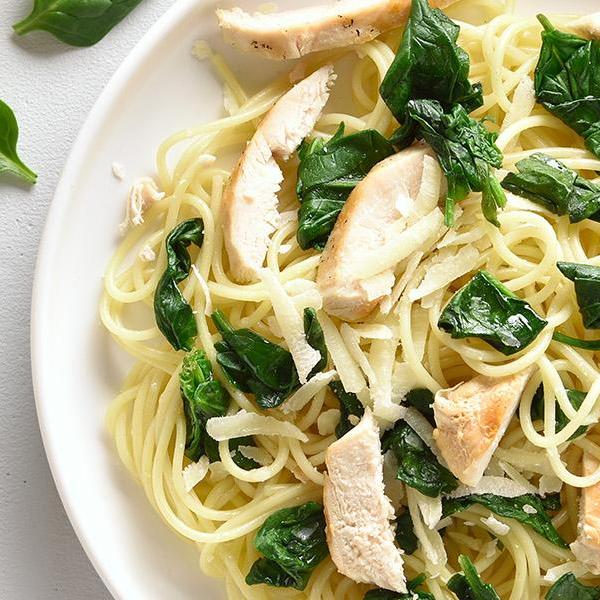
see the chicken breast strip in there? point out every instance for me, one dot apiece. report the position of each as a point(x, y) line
point(295, 33)
point(358, 513)
point(471, 419)
point(249, 207)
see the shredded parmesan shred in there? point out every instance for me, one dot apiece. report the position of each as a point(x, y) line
point(194, 473)
point(246, 423)
point(208, 306)
point(306, 392)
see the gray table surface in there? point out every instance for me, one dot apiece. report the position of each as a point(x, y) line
point(51, 87)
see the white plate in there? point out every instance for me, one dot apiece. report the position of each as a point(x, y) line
point(159, 89)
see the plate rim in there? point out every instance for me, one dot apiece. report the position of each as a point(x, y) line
point(42, 279)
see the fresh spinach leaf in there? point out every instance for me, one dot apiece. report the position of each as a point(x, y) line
point(349, 405)
point(568, 587)
point(417, 465)
point(468, 585)
point(422, 400)
point(512, 508)
point(174, 316)
point(413, 592)
point(465, 149)
point(243, 462)
point(203, 397)
point(293, 542)
point(9, 134)
point(566, 81)
point(429, 64)
point(548, 182)
point(76, 22)
point(576, 342)
point(486, 309)
point(576, 399)
point(405, 533)
point(327, 173)
point(254, 364)
point(315, 338)
point(587, 289)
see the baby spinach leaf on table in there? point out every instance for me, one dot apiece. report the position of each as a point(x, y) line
point(174, 316)
point(405, 533)
point(315, 338)
point(548, 182)
point(422, 400)
point(417, 465)
point(466, 151)
point(486, 309)
point(254, 364)
point(9, 134)
point(413, 592)
point(566, 81)
point(429, 64)
point(349, 405)
point(76, 22)
point(512, 508)
point(568, 587)
point(576, 399)
point(293, 542)
point(468, 584)
point(587, 289)
point(327, 173)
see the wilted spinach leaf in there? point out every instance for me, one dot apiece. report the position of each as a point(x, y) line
point(486, 309)
point(292, 540)
point(413, 592)
point(422, 400)
point(327, 173)
point(76, 22)
point(417, 465)
point(243, 462)
point(465, 149)
point(512, 508)
point(566, 81)
point(349, 405)
point(9, 134)
point(468, 585)
point(429, 64)
point(548, 182)
point(568, 587)
point(173, 314)
point(576, 342)
point(576, 399)
point(587, 289)
point(315, 338)
point(405, 533)
point(254, 364)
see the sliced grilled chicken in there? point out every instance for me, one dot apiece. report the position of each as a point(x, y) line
point(586, 547)
point(384, 197)
point(358, 513)
point(294, 33)
point(249, 208)
point(471, 419)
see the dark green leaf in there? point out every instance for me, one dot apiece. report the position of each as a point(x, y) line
point(243, 462)
point(76, 22)
point(576, 342)
point(349, 405)
point(567, 84)
point(548, 182)
point(293, 541)
point(422, 400)
point(576, 399)
point(465, 149)
point(568, 587)
point(469, 586)
point(9, 134)
point(254, 364)
point(512, 508)
point(405, 534)
point(327, 173)
point(203, 397)
point(429, 64)
point(173, 314)
point(486, 309)
point(417, 465)
point(587, 289)
point(412, 594)
point(315, 338)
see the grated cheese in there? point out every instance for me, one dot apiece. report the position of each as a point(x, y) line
point(147, 254)
point(382, 356)
point(246, 423)
point(208, 306)
point(411, 266)
point(374, 331)
point(495, 526)
point(260, 455)
point(490, 484)
point(118, 171)
point(490, 548)
point(555, 573)
point(587, 26)
point(300, 398)
point(521, 107)
point(379, 285)
point(530, 510)
point(431, 509)
point(550, 484)
point(394, 488)
point(194, 473)
point(424, 430)
point(327, 421)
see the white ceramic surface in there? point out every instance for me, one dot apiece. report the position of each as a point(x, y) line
point(159, 89)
